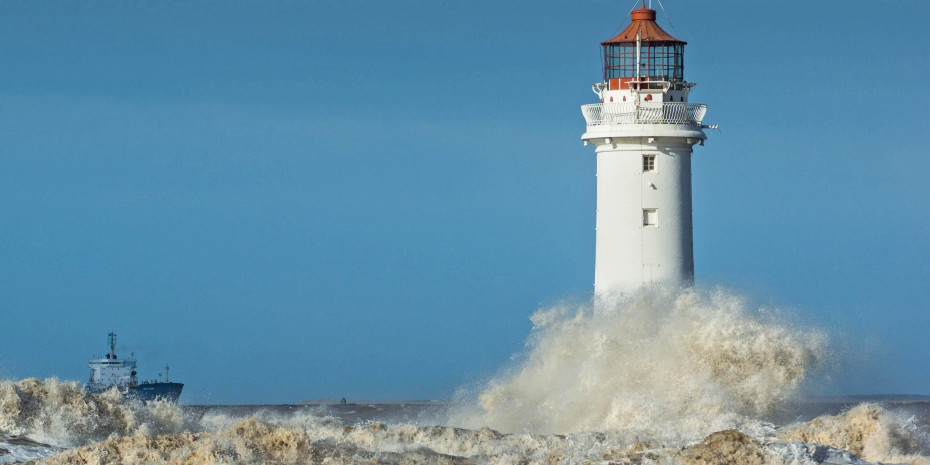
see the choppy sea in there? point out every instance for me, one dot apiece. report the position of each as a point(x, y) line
point(663, 377)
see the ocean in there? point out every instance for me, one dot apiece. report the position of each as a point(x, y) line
point(666, 376)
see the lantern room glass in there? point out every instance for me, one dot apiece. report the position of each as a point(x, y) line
point(659, 61)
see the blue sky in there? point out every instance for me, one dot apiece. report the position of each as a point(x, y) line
point(368, 199)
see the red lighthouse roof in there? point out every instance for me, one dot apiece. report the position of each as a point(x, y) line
point(644, 24)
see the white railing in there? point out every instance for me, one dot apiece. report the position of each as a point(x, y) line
point(645, 113)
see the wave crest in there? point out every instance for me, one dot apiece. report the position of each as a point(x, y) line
point(867, 431)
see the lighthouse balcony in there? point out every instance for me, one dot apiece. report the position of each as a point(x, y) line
point(600, 114)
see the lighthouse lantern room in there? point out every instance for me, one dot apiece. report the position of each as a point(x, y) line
point(643, 131)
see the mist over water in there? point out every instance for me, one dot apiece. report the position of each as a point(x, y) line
point(664, 376)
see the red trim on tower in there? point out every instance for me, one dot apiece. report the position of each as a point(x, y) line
point(624, 83)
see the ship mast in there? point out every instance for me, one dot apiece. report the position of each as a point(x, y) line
point(112, 338)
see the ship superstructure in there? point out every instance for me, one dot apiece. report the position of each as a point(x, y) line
point(113, 372)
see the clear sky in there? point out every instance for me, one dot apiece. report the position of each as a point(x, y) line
point(290, 200)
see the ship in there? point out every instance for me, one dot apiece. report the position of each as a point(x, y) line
point(113, 372)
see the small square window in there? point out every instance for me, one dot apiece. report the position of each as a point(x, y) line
point(650, 217)
point(649, 163)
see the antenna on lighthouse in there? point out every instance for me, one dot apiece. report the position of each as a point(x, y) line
point(666, 17)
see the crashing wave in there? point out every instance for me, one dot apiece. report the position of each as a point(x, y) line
point(309, 439)
point(866, 431)
point(61, 413)
point(663, 364)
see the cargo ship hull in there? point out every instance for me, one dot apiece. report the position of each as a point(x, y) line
point(148, 392)
point(145, 392)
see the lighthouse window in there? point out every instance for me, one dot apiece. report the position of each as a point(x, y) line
point(649, 163)
point(658, 60)
point(650, 217)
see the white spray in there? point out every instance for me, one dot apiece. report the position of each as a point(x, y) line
point(664, 364)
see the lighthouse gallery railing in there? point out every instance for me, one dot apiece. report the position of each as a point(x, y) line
point(645, 113)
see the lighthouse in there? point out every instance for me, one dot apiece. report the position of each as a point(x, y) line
point(643, 131)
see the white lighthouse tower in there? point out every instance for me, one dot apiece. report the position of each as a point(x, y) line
point(643, 131)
